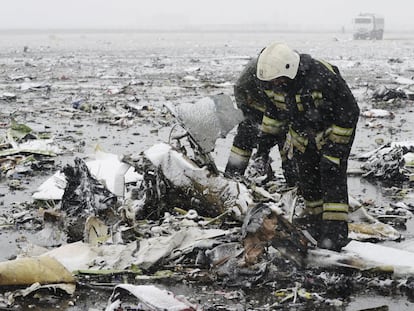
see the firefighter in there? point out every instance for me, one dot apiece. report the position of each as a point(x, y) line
point(252, 101)
point(313, 108)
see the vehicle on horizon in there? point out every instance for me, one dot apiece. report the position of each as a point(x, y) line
point(368, 26)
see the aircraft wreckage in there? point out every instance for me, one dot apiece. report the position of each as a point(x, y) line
point(171, 209)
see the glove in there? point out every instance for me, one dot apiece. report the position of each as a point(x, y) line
point(233, 171)
point(259, 166)
point(334, 235)
point(260, 170)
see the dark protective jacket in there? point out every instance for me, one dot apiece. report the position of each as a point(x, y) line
point(251, 99)
point(317, 114)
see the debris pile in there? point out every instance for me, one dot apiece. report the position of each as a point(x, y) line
point(164, 229)
point(178, 221)
point(389, 162)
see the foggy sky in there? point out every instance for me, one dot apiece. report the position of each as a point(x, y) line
point(332, 14)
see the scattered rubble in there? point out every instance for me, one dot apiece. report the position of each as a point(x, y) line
point(157, 214)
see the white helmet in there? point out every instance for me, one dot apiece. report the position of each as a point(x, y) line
point(277, 60)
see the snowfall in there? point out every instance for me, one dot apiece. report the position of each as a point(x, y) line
point(104, 96)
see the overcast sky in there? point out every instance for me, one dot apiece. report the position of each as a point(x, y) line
point(35, 14)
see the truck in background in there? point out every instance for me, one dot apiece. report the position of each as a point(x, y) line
point(368, 26)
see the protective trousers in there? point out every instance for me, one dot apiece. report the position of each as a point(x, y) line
point(323, 182)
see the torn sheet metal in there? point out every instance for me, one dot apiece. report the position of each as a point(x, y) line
point(19, 132)
point(51, 234)
point(406, 145)
point(51, 189)
point(44, 147)
point(409, 159)
point(377, 231)
point(8, 96)
point(21, 139)
point(110, 170)
point(26, 271)
point(85, 196)
point(263, 226)
point(378, 113)
point(401, 261)
point(365, 227)
point(106, 167)
point(39, 290)
point(384, 93)
point(96, 231)
point(401, 80)
point(365, 256)
point(180, 242)
point(33, 86)
point(144, 254)
point(149, 297)
point(388, 162)
point(79, 256)
point(215, 194)
point(74, 256)
point(208, 119)
point(221, 253)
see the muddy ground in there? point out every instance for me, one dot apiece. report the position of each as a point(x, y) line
point(86, 89)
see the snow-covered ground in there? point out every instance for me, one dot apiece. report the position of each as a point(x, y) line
point(109, 89)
